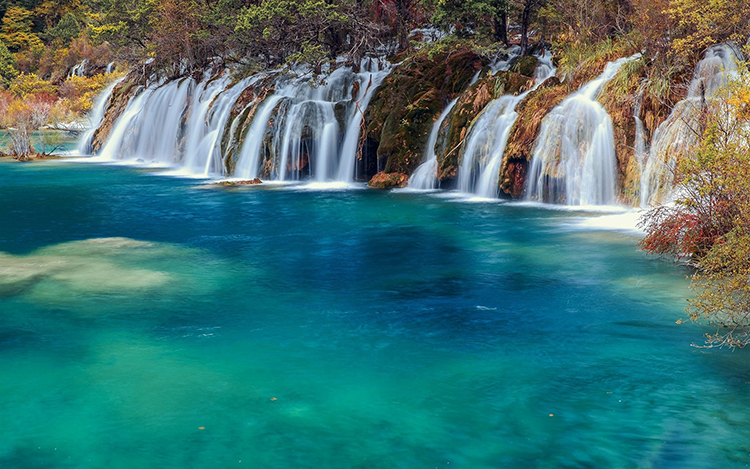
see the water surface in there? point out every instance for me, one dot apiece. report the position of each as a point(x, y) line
point(148, 321)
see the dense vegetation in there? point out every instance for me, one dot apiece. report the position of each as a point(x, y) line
point(709, 223)
point(54, 55)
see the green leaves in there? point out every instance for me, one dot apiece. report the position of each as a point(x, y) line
point(8, 64)
point(294, 31)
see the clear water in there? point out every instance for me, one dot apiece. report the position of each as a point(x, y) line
point(47, 141)
point(281, 327)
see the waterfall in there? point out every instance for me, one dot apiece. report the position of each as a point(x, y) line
point(110, 68)
point(208, 119)
point(78, 70)
point(681, 131)
point(153, 134)
point(485, 146)
point(177, 124)
point(425, 177)
point(95, 118)
point(640, 147)
point(483, 153)
point(370, 82)
point(316, 128)
point(544, 69)
point(574, 160)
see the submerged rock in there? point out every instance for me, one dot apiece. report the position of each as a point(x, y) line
point(250, 182)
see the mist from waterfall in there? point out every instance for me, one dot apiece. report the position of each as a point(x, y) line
point(574, 160)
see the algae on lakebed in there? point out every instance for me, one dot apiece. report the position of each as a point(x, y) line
point(57, 274)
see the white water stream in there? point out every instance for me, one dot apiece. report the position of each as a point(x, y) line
point(425, 177)
point(483, 153)
point(316, 128)
point(574, 160)
point(681, 131)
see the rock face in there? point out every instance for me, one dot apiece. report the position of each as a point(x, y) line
point(405, 106)
point(384, 180)
point(242, 114)
point(121, 95)
point(469, 106)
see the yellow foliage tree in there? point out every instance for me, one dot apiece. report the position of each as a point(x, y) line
point(28, 84)
point(703, 23)
point(16, 29)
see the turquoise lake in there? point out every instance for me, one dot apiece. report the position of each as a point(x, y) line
point(151, 321)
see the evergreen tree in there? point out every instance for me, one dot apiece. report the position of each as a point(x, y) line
point(8, 65)
point(66, 30)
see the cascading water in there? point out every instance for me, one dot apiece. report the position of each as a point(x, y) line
point(483, 153)
point(681, 131)
point(179, 124)
point(212, 107)
point(574, 160)
point(152, 134)
point(315, 131)
point(95, 119)
point(79, 69)
point(425, 177)
point(485, 145)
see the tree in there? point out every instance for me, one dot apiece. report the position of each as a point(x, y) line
point(179, 39)
point(16, 29)
point(8, 65)
point(126, 23)
point(703, 23)
point(24, 116)
point(527, 9)
point(279, 30)
point(487, 17)
point(66, 30)
point(709, 224)
point(585, 21)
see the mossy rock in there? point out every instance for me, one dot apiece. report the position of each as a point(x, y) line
point(618, 99)
point(525, 66)
point(383, 180)
point(467, 108)
point(118, 102)
point(404, 108)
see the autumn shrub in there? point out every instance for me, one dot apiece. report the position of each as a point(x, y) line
point(708, 225)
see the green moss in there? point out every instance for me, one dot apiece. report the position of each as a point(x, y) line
point(467, 108)
point(525, 66)
point(402, 111)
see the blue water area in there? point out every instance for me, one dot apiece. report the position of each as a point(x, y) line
point(148, 321)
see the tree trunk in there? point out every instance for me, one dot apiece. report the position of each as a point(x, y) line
point(525, 20)
point(501, 27)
